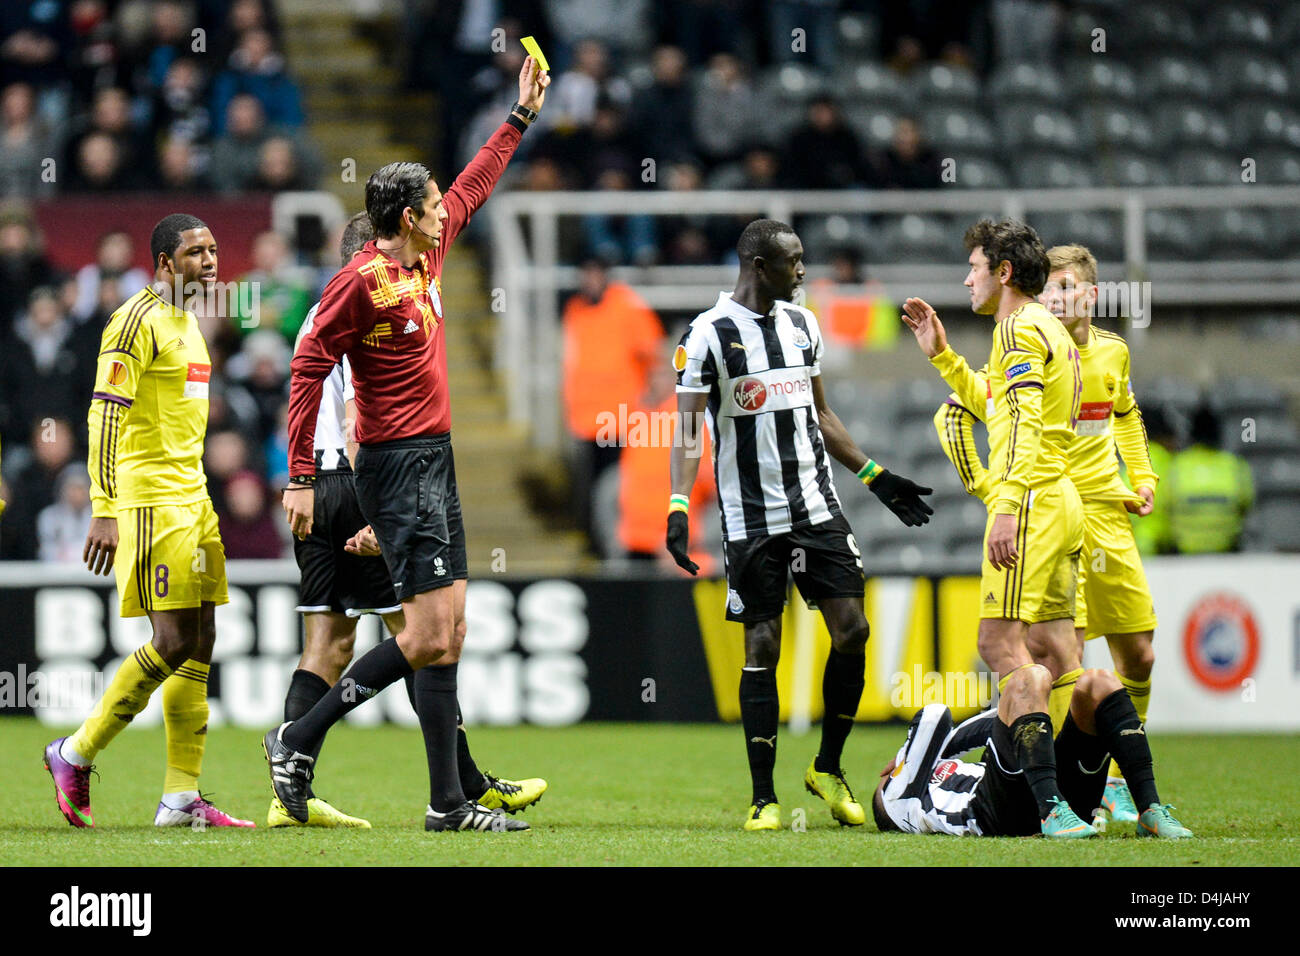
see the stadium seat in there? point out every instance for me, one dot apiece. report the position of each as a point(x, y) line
point(941, 83)
point(1272, 526)
point(1242, 233)
point(1235, 24)
point(1249, 73)
point(870, 83)
point(1047, 170)
point(873, 124)
point(978, 172)
point(1101, 232)
point(1025, 83)
point(959, 130)
point(1178, 78)
point(1234, 394)
point(1171, 235)
point(783, 94)
point(822, 235)
point(1118, 125)
point(915, 238)
point(1042, 128)
point(1286, 33)
point(1197, 167)
point(1191, 124)
point(859, 36)
point(1277, 477)
point(1158, 26)
point(1273, 434)
point(1102, 79)
point(1266, 124)
point(1133, 170)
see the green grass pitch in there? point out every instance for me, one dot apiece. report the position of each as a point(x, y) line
point(620, 794)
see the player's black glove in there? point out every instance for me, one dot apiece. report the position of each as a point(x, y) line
point(902, 496)
point(679, 537)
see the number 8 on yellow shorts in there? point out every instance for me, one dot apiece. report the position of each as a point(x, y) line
point(1049, 539)
point(1114, 597)
point(169, 557)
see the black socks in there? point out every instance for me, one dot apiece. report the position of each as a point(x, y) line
point(759, 714)
point(1119, 727)
point(1032, 736)
point(305, 690)
point(1083, 777)
point(371, 673)
point(842, 684)
point(472, 780)
point(435, 703)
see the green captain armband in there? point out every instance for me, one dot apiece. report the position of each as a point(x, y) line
point(868, 472)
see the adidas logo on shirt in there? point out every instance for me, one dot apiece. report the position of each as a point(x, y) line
point(410, 327)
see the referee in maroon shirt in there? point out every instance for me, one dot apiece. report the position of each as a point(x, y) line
point(384, 311)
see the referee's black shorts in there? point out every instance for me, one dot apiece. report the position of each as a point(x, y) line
point(823, 559)
point(407, 491)
point(332, 579)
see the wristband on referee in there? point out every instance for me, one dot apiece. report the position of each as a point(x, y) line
point(302, 479)
point(868, 472)
point(679, 503)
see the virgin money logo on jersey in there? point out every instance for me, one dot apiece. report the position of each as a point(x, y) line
point(749, 394)
point(771, 391)
point(943, 771)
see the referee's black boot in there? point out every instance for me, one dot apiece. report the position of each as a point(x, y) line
point(470, 816)
point(291, 773)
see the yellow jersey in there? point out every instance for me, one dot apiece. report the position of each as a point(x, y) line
point(149, 411)
point(1031, 391)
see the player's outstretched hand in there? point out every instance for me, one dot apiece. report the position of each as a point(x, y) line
point(101, 545)
point(363, 543)
point(679, 537)
point(925, 325)
point(903, 497)
point(533, 81)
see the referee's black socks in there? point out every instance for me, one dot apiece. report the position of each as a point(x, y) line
point(436, 706)
point(305, 690)
point(369, 674)
point(760, 712)
point(1118, 725)
point(842, 684)
point(1032, 736)
point(472, 780)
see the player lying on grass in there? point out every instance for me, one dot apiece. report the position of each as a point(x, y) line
point(154, 525)
point(1113, 597)
point(344, 576)
point(1016, 789)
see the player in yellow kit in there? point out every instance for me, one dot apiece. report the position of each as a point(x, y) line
point(1034, 534)
point(1114, 597)
point(154, 525)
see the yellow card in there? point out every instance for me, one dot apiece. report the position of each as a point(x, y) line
point(535, 52)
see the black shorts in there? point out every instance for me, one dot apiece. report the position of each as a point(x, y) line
point(758, 569)
point(407, 491)
point(1004, 805)
point(333, 579)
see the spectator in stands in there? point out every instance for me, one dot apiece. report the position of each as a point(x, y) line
point(702, 28)
point(611, 340)
point(1152, 532)
point(33, 40)
point(691, 239)
point(100, 167)
point(225, 453)
point(235, 155)
point(249, 528)
point(261, 369)
point(662, 111)
point(26, 144)
point(61, 527)
point(257, 70)
point(726, 110)
point(32, 487)
point(114, 260)
point(240, 16)
point(276, 448)
point(643, 473)
point(180, 105)
point(23, 266)
point(48, 370)
point(110, 115)
point(915, 31)
point(823, 152)
point(1208, 491)
point(620, 239)
point(624, 26)
point(180, 167)
point(576, 92)
point(279, 168)
point(92, 58)
point(170, 39)
point(908, 162)
point(759, 168)
point(814, 43)
point(284, 289)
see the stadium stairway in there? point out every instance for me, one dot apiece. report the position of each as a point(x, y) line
point(358, 109)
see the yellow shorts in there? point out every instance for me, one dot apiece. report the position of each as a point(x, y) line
point(1049, 538)
point(1114, 597)
point(169, 557)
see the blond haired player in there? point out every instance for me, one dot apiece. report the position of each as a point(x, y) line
point(1114, 598)
point(154, 524)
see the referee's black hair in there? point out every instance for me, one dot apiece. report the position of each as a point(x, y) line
point(390, 190)
point(759, 239)
point(1016, 243)
point(356, 234)
point(167, 234)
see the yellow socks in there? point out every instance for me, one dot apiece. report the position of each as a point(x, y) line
point(127, 694)
point(1058, 702)
point(185, 714)
point(1139, 691)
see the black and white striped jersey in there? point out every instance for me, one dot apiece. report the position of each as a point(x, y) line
point(930, 791)
point(773, 473)
point(330, 443)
